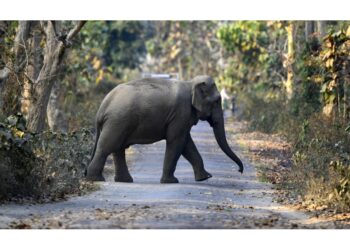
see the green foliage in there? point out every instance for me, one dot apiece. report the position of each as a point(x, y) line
point(260, 111)
point(249, 38)
point(124, 47)
point(42, 166)
point(188, 48)
point(307, 99)
point(111, 47)
point(335, 57)
point(254, 50)
point(108, 53)
point(320, 172)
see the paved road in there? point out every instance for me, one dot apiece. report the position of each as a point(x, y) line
point(227, 200)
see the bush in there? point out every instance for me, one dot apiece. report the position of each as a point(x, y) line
point(263, 115)
point(320, 172)
point(47, 165)
point(321, 163)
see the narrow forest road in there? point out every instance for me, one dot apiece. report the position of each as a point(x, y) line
point(227, 200)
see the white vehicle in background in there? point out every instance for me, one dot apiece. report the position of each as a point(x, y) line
point(173, 76)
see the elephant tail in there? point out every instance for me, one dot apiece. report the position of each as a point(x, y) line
point(98, 132)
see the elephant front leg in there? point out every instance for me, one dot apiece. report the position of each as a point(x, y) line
point(121, 169)
point(191, 154)
point(172, 155)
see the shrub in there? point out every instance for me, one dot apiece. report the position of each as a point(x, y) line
point(45, 165)
point(321, 169)
point(263, 115)
point(320, 172)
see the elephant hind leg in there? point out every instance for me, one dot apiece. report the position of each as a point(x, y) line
point(121, 169)
point(95, 168)
point(191, 154)
point(104, 148)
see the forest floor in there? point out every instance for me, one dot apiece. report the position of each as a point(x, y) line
point(227, 200)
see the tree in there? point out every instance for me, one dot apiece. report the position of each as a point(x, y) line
point(187, 48)
point(29, 74)
point(251, 59)
point(14, 62)
point(321, 28)
point(309, 29)
point(335, 57)
point(124, 46)
point(289, 60)
point(53, 54)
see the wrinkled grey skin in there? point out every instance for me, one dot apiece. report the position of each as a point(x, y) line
point(148, 110)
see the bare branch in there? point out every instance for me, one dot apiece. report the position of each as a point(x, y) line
point(75, 30)
point(42, 27)
point(281, 76)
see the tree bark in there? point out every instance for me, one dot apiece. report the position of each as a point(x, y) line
point(309, 29)
point(289, 61)
point(321, 29)
point(56, 118)
point(12, 84)
point(53, 55)
point(33, 69)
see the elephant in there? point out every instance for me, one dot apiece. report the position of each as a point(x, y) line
point(148, 110)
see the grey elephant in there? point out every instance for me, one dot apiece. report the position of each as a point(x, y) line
point(149, 110)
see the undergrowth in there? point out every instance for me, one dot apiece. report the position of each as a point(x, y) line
point(320, 171)
point(45, 166)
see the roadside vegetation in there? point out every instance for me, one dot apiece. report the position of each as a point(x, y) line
point(288, 77)
point(314, 117)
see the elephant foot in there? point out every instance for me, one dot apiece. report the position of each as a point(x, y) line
point(172, 179)
point(204, 175)
point(121, 178)
point(95, 178)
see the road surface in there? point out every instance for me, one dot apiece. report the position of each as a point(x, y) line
point(227, 200)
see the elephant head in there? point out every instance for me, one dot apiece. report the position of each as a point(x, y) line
point(206, 100)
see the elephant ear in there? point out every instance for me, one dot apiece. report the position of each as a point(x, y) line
point(199, 100)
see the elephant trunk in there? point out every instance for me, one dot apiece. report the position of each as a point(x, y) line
point(217, 122)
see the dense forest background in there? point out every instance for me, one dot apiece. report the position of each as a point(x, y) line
point(288, 77)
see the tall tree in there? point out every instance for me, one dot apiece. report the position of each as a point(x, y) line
point(15, 64)
point(187, 48)
point(309, 29)
point(53, 54)
point(321, 28)
point(34, 65)
point(289, 60)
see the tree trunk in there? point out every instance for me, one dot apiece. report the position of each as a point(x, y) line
point(309, 29)
point(56, 118)
point(321, 29)
point(35, 63)
point(12, 84)
point(289, 61)
point(346, 110)
point(53, 55)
